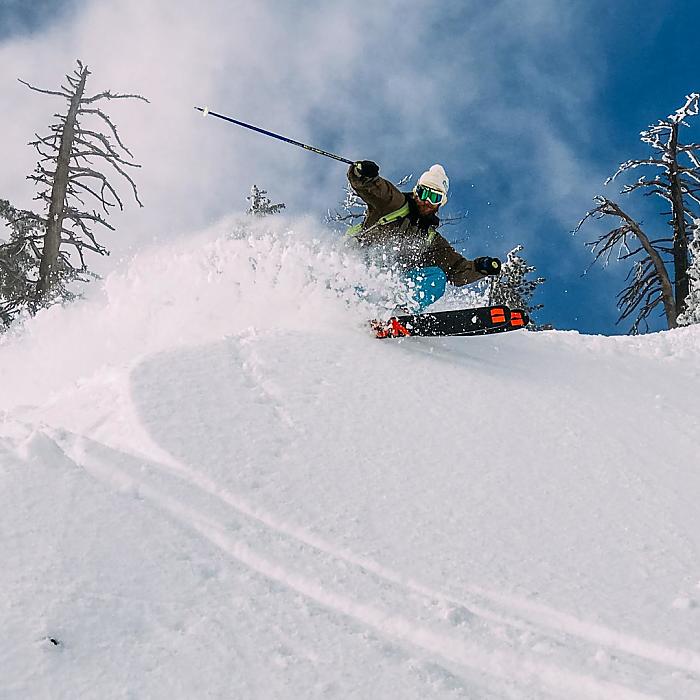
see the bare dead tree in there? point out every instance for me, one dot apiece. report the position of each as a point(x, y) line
point(649, 283)
point(659, 276)
point(67, 175)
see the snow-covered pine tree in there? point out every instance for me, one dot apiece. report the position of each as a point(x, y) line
point(691, 313)
point(260, 204)
point(512, 287)
point(20, 259)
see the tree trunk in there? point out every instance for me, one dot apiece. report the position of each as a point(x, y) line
point(48, 268)
point(680, 238)
point(661, 273)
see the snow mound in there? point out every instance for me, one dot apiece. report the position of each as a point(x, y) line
point(238, 275)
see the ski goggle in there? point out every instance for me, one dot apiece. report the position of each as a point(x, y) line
point(426, 194)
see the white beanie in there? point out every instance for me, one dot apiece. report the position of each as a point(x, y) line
point(436, 179)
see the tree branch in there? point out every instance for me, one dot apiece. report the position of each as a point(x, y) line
point(65, 95)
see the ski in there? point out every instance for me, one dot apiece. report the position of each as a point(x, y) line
point(482, 320)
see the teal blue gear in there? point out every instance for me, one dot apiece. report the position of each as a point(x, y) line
point(425, 286)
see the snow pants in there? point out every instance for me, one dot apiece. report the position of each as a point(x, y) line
point(426, 285)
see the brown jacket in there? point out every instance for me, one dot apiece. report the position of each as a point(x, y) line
point(413, 240)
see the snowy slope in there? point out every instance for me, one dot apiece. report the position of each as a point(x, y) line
point(216, 484)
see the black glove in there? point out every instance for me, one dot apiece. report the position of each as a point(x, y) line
point(487, 266)
point(366, 169)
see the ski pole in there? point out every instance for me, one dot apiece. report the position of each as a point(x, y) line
point(206, 111)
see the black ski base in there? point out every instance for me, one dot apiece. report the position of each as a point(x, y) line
point(479, 321)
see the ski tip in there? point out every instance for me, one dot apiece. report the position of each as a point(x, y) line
point(389, 329)
point(203, 110)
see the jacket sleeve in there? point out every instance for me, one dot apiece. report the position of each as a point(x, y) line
point(459, 270)
point(380, 195)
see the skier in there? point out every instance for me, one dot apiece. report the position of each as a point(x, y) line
point(403, 226)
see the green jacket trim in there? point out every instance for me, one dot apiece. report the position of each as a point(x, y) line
point(386, 219)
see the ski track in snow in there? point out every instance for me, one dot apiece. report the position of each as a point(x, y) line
point(304, 563)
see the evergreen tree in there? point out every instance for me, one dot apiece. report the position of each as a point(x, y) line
point(19, 261)
point(261, 205)
point(512, 288)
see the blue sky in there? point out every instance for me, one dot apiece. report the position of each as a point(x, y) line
point(633, 65)
point(19, 17)
point(529, 104)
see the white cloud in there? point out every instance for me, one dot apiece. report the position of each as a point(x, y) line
point(408, 85)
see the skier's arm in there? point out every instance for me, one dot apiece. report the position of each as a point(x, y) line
point(463, 272)
point(379, 194)
point(459, 270)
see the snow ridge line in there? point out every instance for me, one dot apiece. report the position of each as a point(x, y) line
point(500, 664)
